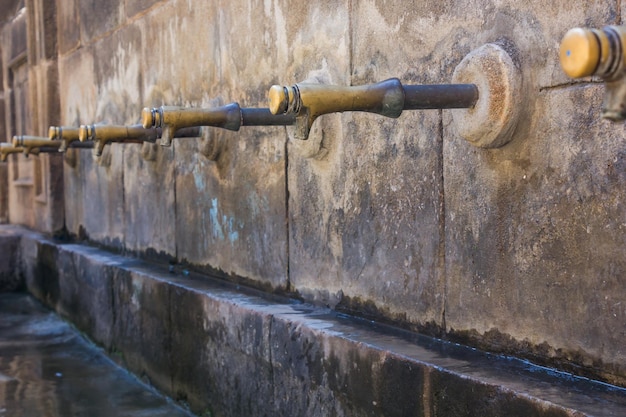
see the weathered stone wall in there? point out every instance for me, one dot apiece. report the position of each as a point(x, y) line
point(517, 249)
point(32, 188)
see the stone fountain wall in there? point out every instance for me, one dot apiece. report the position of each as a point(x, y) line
point(518, 249)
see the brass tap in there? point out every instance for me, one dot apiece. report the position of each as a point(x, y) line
point(29, 143)
point(67, 135)
point(101, 135)
point(170, 119)
point(8, 148)
point(387, 98)
point(599, 52)
point(309, 101)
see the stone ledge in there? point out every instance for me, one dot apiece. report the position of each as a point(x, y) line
point(235, 352)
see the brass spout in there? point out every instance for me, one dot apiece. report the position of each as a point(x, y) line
point(28, 143)
point(67, 135)
point(101, 135)
point(594, 52)
point(170, 119)
point(8, 148)
point(387, 98)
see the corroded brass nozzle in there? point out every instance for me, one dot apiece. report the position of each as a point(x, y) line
point(67, 135)
point(387, 98)
point(8, 148)
point(170, 119)
point(599, 52)
point(28, 143)
point(101, 135)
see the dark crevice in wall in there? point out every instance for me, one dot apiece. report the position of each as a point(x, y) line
point(176, 258)
point(351, 40)
point(170, 340)
point(288, 254)
point(271, 360)
point(442, 224)
point(114, 305)
point(123, 219)
point(569, 84)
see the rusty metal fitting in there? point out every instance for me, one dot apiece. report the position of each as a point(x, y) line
point(6, 149)
point(586, 52)
point(85, 133)
point(171, 118)
point(102, 135)
point(599, 52)
point(150, 117)
point(387, 98)
point(28, 143)
point(67, 135)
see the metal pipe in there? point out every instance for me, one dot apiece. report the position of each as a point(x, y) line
point(81, 145)
point(387, 98)
point(185, 132)
point(440, 96)
point(264, 117)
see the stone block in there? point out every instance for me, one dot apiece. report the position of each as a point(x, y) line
point(151, 228)
point(15, 38)
point(533, 237)
point(40, 267)
point(217, 347)
point(365, 224)
point(182, 66)
point(46, 14)
point(113, 66)
point(193, 349)
point(103, 204)
point(78, 104)
point(134, 7)
point(4, 190)
point(142, 327)
point(11, 278)
point(97, 18)
point(55, 207)
point(366, 217)
point(74, 193)
point(85, 295)
point(449, 398)
point(68, 25)
point(77, 87)
point(281, 45)
point(118, 72)
point(230, 212)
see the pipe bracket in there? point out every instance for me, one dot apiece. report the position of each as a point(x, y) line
point(491, 122)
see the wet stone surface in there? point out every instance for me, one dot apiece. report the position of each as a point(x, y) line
point(48, 369)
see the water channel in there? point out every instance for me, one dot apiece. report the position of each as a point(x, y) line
point(48, 369)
